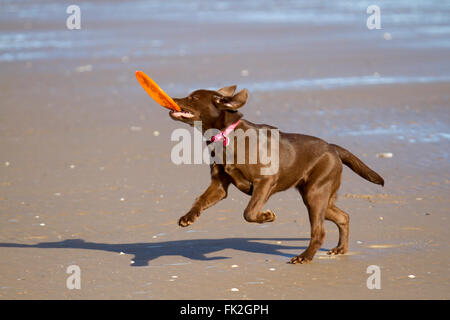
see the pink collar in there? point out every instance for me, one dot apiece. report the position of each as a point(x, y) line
point(224, 134)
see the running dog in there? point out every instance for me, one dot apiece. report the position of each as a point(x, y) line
point(309, 164)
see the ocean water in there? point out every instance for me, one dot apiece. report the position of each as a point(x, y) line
point(36, 29)
point(322, 12)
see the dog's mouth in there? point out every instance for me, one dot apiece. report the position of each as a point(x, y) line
point(182, 114)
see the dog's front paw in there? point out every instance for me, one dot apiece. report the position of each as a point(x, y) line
point(266, 216)
point(302, 259)
point(188, 218)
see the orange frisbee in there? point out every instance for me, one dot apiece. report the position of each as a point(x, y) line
point(156, 92)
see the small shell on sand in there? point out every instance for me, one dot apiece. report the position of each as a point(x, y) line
point(234, 266)
point(411, 276)
point(385, 155)
point(387, 36)
point(156, 133)
point(135, 128)
point(234, 289)
point(383, 246)
point(85, 68)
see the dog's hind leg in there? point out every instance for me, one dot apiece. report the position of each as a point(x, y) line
point(316, 201)
point(262, 190)
point(318, 194)
point(216, 191)
point(342, 221)
point(340, 218)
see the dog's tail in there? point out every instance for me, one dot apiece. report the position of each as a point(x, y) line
point(351, 161)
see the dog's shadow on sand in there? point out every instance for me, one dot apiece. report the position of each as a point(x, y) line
point(192, 249)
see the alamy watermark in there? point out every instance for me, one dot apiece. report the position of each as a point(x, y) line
point(73, 22)
point(374, 20)
point(74, 280)
point(374, 280)
point(252, 146)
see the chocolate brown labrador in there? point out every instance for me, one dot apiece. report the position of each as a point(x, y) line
point(307, 163)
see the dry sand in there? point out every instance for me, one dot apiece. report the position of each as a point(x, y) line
point(85, 181)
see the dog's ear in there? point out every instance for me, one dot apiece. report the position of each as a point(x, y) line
point(227, 91)
point(231, 103)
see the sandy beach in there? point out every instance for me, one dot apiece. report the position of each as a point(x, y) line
point(86, 176)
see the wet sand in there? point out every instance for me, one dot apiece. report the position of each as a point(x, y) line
point(85, 181)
